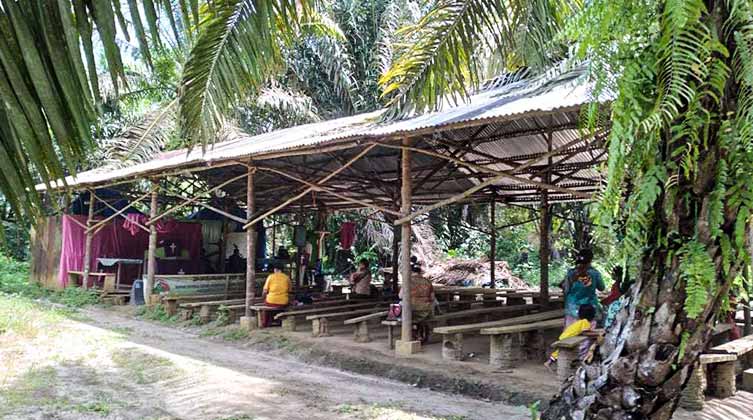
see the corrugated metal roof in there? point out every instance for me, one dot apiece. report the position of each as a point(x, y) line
point(505, 103)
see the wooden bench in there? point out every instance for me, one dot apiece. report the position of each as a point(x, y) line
point(442, 319)
point(569, 352)
point(108, 279)
point(361, 330)
point(452, 336)
point(291, 317)
point(723, 373)
point(320, 322)
point(207, 307)
point(692, 397)
point(506, 342)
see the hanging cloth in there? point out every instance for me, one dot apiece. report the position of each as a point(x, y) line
point(347, 235)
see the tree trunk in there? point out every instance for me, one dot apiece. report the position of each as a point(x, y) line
point(651, 349)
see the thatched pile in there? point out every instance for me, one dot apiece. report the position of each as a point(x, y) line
point(474, 273)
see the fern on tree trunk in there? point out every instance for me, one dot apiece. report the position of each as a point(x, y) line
point(680, 165)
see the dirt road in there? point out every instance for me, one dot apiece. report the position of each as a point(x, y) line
point(115, 367)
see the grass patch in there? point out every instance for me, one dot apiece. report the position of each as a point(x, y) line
point(156, 313)
point(33, 388)
point(235, 334)
point(101, 407)
point(144, 368)
point(27, 318)
point(14, 281)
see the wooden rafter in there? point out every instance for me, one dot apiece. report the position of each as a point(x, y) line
point(319, 183)
point(193, 200)
point(326, 190)
point(118, 212)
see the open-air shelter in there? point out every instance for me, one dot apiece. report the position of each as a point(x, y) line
point(520, 144)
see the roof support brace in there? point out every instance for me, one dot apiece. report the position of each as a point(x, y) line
point(319, 183)
point(325, 190)
point(193, 200)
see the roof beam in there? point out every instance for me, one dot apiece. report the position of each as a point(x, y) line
point(319, 183)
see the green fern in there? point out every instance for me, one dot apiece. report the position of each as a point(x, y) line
point(698, 272)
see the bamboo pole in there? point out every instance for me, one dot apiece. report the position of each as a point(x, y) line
point(118, 213)
point(151, 256)
point(546, 226)
point(405, 239)
point(493, 244)
point(221, 212)
point(334, 193)
point(88, 240)
point(250, 244)
point(499, 176)
point(193, 200)
point(395, 257)
point(319, 183)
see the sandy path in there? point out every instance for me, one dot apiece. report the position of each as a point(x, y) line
point(215, 380)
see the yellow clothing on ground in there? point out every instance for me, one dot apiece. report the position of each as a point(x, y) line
point(278, 286)
point(576, 328)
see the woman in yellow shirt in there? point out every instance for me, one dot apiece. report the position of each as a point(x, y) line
point(276, 292)
point(586, 315)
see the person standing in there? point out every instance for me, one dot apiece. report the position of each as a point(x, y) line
point(361, 279)
point(276, 292)
point(421, 300)
point(580, 286)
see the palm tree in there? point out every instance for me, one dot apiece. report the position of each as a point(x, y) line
point(52, 95)
point(680, 157)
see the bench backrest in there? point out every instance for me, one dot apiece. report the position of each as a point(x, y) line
point(533, 326)
point(337, 308)
point(484, 311)
point(216, 303)
point(375, 315)
point(737, 347)
point(342, 314)
point(466, 328)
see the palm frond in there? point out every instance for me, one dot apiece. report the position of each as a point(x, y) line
point(236, 50)
point(293, 104)
point(142, 140)
point(329, 46)
point(383, 48)
point(138, 27)
point(440, 63)
point(151, 20)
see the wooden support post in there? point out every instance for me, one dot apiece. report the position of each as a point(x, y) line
point(405, 239)
point(544, 227)
point(493, 244)
point(250, 244)
point(395, 257)
point(88, 241)
point(151, 259)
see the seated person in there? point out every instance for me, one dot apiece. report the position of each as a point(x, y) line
point(276, 292)
point(421, 300)
point(361, 279)
point(585, 322)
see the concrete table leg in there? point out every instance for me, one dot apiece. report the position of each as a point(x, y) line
point(723, 380)
point(502, 352)
point(565, 363)
point(391, 337)
point(692, 398)
point(452, 346)
point(289, 323)
point(205, 313)
point(361, 332)
point(171, 307)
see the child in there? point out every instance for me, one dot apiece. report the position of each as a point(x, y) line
point(586, 315)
